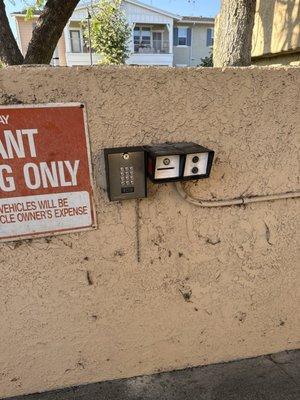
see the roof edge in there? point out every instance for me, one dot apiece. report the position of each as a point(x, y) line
point(158, 10)
point(140, 4)
point(186, 21)
point(22, 14)
point(179, 18)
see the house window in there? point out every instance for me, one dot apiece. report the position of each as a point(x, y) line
point(75, 38)
point(157, 38)
point(210, 37)
point(182, 36)
point(137, 39)
point(146, 36)
point(142, 38)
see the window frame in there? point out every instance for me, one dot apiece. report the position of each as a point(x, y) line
point(146, 29)
point(212, 36)
point(80, 40)
point(140, 29)
point(162, 37)
point(180, 37)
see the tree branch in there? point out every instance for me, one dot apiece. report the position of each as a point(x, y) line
point(9, 51)
point(48, 30)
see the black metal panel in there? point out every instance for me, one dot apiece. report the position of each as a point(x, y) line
point(126, 173)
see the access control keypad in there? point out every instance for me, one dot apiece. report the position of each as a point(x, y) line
point(126, 173)
point(127, 176)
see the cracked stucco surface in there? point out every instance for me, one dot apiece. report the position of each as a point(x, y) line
point(213, 284)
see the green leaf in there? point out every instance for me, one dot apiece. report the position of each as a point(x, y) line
point(110, 32)
point(39, 4)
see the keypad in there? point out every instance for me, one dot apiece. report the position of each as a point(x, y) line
point(127, 176)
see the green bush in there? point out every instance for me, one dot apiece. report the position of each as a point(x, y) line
point(110, 32)
point(207, 61)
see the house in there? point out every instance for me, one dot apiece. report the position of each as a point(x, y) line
point(276, 35)
point(158, 37)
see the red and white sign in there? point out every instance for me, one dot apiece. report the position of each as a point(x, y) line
point(45, 171)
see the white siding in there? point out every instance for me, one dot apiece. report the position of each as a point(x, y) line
point(137, 14)
point(79, 15)
point(151, 59)
point(81, 59)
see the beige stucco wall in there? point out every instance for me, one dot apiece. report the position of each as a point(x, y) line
point(24, 34)
point(212, 284)
point(292, 59)
point(276, 32)
point(277, 27)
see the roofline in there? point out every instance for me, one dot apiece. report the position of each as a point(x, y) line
point(143, 5)
point(183, 21)
point(159, 10)
point(179, 18)
point(18, 14)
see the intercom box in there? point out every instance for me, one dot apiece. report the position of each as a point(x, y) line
point(198, 160)
point(180, 161)
point(164, 162)
point(126, 173)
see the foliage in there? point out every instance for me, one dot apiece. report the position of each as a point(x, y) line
point(31, 10)
point(110, 32)
point(207, 61)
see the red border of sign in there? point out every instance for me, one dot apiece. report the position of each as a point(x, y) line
point(94, 225)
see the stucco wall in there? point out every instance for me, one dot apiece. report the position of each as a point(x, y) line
point(212, 284)
point(276, 32)
point(292, 59)
point(277, 27)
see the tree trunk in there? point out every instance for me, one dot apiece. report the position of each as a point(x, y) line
point(48, 30)
point(233, 33)
point(9, 51)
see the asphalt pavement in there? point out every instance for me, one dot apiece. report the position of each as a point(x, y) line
point(271, 377)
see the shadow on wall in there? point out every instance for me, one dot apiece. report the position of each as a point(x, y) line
point(277, 26)
point(292, 24)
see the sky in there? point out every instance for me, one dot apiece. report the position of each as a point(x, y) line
point(205, 8)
